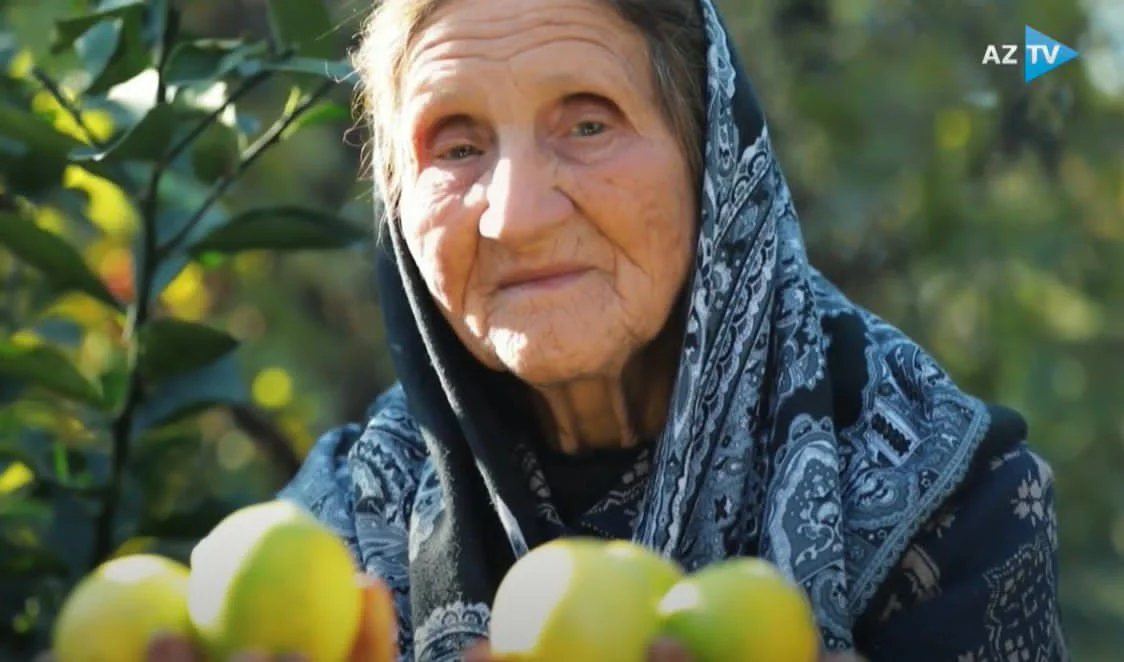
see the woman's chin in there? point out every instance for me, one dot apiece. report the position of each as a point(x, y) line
point(552, 363)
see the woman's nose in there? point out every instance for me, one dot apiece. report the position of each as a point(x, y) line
point(524, 201)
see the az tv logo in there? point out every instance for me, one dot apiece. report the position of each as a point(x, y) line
point(1042, 54)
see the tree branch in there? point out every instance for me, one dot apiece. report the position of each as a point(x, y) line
point(245, 87)
point(51, 86)
point(268, 438)
point(252, 153)
point(122, 426)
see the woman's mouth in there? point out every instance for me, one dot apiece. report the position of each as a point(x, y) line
point(542, 279)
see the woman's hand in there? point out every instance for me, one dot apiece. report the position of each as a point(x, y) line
point(664, 650)
point(374, 642)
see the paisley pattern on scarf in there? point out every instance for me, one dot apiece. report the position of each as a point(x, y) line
point(971, 607)
point(756, 302)
point(803, 429)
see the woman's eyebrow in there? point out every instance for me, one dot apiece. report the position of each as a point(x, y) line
point(597, 81)
point(430, 96)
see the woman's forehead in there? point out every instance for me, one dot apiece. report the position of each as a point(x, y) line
point(526, 34)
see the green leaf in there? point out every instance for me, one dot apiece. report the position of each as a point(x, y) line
point(281, 228)
point(34, 22)
point(48, 368)
point(111, 43)
point(147, 140)
point(168, 224)
point(70, 29)
point(97, 46)
point(131, 57)
point(38, 165)
point(191, 392)
point(207, 60)
point(303, 25)
point(171, 347)
point(160, 14)
point(324, 68)
point(324, 112)
point(60, 262)
point(216, 152)
point(114, 385)
point(33, 131)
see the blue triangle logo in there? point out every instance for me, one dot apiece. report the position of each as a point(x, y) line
point(1043, 54)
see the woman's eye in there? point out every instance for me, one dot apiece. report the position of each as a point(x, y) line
point(587, 129)
point(459, 153)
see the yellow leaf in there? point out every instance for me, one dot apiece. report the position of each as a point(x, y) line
point(14, 477)
point(51, 219)
point(82, 310)
point(99, 123)
point(109, 207)
point(95, 353)
point(20, 65)
point(45, 103)
point(26, 339)
point(186, 296)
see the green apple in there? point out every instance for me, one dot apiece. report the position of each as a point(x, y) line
point(574, 599)
point(741, 610)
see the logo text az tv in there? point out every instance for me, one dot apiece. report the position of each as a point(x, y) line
point(1041, 54)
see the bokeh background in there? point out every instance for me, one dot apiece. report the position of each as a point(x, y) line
point(981, 214)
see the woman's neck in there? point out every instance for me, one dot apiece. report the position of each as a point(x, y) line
point(621, 410)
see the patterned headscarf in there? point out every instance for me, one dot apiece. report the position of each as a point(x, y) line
point(802, 429)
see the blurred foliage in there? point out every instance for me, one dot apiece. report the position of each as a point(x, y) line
point(177, 326)
point(127, 420)
point(982, 215)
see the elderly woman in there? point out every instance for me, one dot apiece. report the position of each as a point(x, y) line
point(604, 323)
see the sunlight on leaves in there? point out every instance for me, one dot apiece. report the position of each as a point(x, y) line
point(138, 94)
point(109, 207)
point(20, 65)
point(113, 263)
point(187, 296)
point(52, 220)
point(83, 310)
point(99, 123)
point(14, 477)
point(95, 353)
point(1065, 311)
point(273, 388)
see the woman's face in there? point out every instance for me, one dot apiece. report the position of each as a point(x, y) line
point(545, 199)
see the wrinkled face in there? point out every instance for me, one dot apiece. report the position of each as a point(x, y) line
point(545, 199)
